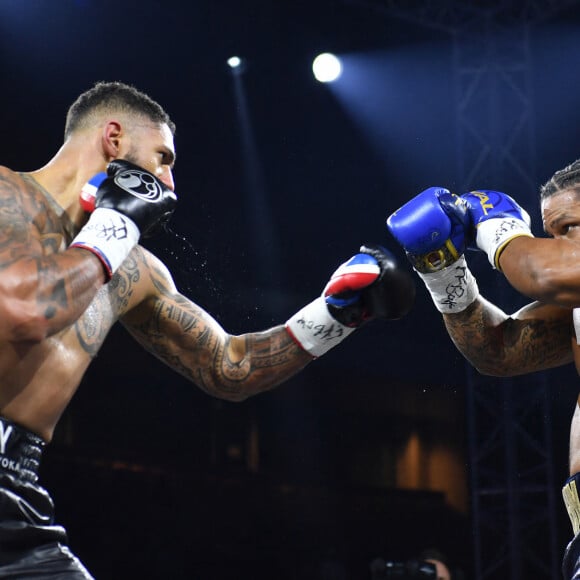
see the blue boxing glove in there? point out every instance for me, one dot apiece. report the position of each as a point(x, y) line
point(498, 219)
point(434, 229)
point(368, 286)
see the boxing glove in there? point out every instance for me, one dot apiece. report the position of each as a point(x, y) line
point(433, 228)
point(128, 204)
point(498, 219)
point(369, 285)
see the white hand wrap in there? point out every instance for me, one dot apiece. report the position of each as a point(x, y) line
point(494, 234)
point(315, 330)
point(110, 235)
point(452, 289)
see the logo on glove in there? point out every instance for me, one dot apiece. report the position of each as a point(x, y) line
point(140, 184)
point(484, 201)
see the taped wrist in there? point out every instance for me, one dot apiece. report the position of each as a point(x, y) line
point(109, 235)
point(315, 330)
point(494, 234)
point(452, 289)
point(571, 501)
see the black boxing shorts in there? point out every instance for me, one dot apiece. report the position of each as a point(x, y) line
point(31, 544)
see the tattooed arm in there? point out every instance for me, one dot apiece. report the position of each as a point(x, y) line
point(43, 288)
point(537, 337)
point(190, 341)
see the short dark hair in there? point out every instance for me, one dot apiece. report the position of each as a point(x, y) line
point(566, 178)
point(114, 96)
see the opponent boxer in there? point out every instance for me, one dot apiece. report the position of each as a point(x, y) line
point(70, 269)
point(436, 227)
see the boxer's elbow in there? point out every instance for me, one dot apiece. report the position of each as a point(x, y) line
point(237, 391)
point(235, 397)
point(502, 365)
point(487, 362)
point(230, 391)
point(493, 370)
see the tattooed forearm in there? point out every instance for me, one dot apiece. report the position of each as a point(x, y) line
point(230, 367)
point(122, 284)
point(272, 350)
point(511, 346)
point(94, 324)
point(268, 359)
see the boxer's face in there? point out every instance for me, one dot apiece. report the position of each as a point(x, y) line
point(151, 147)
point(561, 214)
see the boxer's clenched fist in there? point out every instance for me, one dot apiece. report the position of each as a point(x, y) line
point(128, 203)
point(433, 228)
point(369, 285)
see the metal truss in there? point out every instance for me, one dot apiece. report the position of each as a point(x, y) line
point(512, 489)
point(494, 112)
point(513, 499)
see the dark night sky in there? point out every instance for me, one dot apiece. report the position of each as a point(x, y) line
point(329, 173)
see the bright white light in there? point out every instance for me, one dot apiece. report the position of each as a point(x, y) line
point(234, 61)
point(326, 67)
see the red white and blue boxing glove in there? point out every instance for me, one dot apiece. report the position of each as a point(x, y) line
point(127, 203)
point(434, 228)
point(498, 219)
point(366, 287)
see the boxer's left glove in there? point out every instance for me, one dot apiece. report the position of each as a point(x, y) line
point(368, 286)
point(434, 229)
point(129, 203)
point(498, 219)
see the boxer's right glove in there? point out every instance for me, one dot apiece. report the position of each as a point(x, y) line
point(366, 287)
point(129, 203)
point(434, 229)
point(498, 219)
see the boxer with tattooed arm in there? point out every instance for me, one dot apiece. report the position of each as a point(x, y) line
point(71, 266)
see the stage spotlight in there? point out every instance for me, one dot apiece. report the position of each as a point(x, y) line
point(326, 67)
point(234, 61)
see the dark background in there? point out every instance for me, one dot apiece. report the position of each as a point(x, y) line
point(153, 478)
